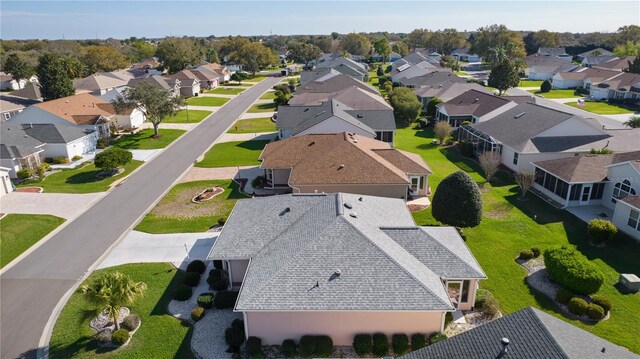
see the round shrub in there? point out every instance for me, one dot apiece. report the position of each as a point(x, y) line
point(225, 299)
point(545, 86)
point(601, 230)
point(119, 337)
point(253, 346)
point(573, 271)
point(214, 275)
point(362, 344)
point(307, 345)
point(130, 322)
point(219, 284)
point(602, 301)
point(197, 313)
point(104, 336)
point(481, 295)
point(577, 306)
point(192, 279)
point(24, 174)
point(222, 221)
point(238, 324)
point(457, 201)
point(183, 293)
point(491, 307)
point(525, 254)
point(563, 296)
point(288, 348)
point(418, 341)
point(380, 345)
point(205, 300)
point(595, 311)
point(234, 337)
point(536, 252)
point(324, 346)
point(437, 337)
point(197, 266)
point(400, 343)
point(112, 158)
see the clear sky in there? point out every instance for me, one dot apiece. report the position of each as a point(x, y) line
point(123, 19)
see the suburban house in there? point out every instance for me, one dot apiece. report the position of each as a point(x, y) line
point(617, 64)
point(319, 72)
point(592, 53)
point(290, 70)
point(147, 67)
point(171, 85)
point(347, 66)
point(446, 91)
point(475, 106)
point(526, 334)
point(528, 133)
point(557, 52)
point(329, 84)
point(6, 186)
point(590, 61)
point(101, 82)
point(416, 58)
point(344, 162)
point(409, 71)
point(581, 78)
point(541, 67)
point(11, 106)
point(30, 91)
point(610, 181)
point(224, 73)
point(24, 146)
point(189, 83)
point(622, 87)
point(430, 79)
point(465, 55)
point(8, 83)
point(393, 56)
point(342, 264)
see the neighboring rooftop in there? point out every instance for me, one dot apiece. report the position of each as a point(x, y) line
point(353, 97)
point(31, 91)
point(617, 64)
point(82, 109)
point(432, 79)
point(335, 83)
point(101, 81)
point(587, 167)
point(478, 103)
point(449, 90)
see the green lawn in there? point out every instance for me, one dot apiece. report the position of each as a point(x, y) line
point(257, 78)
point(18, 232)
point(176, 213)
point(82, 179)
point(461, 73)
point(234, 84)
point(144, 140)
point(160, 335)
point(262, 107)
point(207, 101)
point(253, 125)
point(602, 108)
point(194, 116)
point(227, 154)
point(556, 94)
point(530, 83)
point(225, 91)
point(510, 225)
point(270, 95)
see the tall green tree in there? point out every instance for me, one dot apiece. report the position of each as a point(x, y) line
point(355, 44)
point(383, 48)
point(305, 53)
point(447, 40)
point(504, 76)
point(142, 50)
point(229, 45)
point(401, 48)
point(457, 201)
point(254, 56)
point(628, 49)
point(111, 291)
point(406, 106)
point(18, 68)
point(158, 103)
point(104, 58)
point(177, 53)
point(418, 38)
point(74, 67)
point(497, 35)
point(53, 77)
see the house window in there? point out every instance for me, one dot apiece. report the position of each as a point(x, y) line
point(384, 136)
point(634, 220)
point(622, 189)
point(576, 189)
point(464, 298)
point(597, 190)
point(515, 158)
point(539, 176)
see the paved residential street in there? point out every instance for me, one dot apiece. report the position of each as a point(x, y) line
point(34, 286)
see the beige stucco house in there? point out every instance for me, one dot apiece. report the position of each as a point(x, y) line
point(342, 264)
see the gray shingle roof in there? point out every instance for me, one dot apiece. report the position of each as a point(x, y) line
point(431, 79)
point(334, 84)
point(588, 167)
point(532, 333)
point(16, 151)
point(473, 102)
point(292, 250)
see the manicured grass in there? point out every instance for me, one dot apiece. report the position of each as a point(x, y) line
point(194, 116)
point(602, 108)
point(18, 232)
point(461, 73)
point(234, 84)
point(82, 179)
point(144, 139)
point(253, 125)
point(510, 225)
point(262, 107)
point(257, 78)
point(556, 94)
point(227, 154)
point(207, 101)
point(159, 336)
point(530, 83)
point(270, 95)
point(225, 91)
point(176, 213)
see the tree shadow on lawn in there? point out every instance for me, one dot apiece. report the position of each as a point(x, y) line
point(537, 209)
point(463, 163)
point(86, 177)
point(253, 145)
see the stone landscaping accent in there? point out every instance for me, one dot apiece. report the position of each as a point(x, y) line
point(339, 351)
point(104, 328)
point(207, 194)
point(30, 189)
point(473, 318)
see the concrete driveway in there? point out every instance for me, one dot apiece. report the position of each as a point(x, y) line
point(64, 205)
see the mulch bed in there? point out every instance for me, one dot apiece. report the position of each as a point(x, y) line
point(30, 189)
point(208, 194)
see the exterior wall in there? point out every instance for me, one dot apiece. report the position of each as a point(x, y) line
point(533, 75)
point(621, 217)
point(284, 133)
point(274, 327)
point(281, 177)
point(335, 125)
point(618, 174)
point(381, 190)
point(598, 93)
point(237, 270)
point(524, 159)
point(5, 182)
point(13, 166)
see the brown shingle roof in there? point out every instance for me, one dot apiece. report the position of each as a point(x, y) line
point(594, 74)
point(82, 109)
point(587, 168)
point(341, 159)
point(616, 64)
point(632, 200)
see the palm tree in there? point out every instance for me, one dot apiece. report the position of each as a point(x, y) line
point(633, 122)
point(111, 291)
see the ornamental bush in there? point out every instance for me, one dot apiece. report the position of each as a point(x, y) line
point(307, 345)
point(61, 160)
point(288, 348)
point(595, 311)
point(572, 270)
point(481, 295)
point(380, 345)
point(225, 299)
point(577, 306)
point(457, 201)
point(545, 86)
point(563, 296)
point(253, 347)
point(234, 337)
point(24, 174)
point(130, 322)
point(601, 230)
point(219, 284)
point(197, 313)
point(418, 341)
point(192, 279)
point(536, 252)
point(197, 266)
point(491, 307)
point(205, 300)
point(183, 293)
point(238, 323)
point(217, 264)
point(119, 337)
point(437, 337)
point(362, 344)
point(324, 346)
point(602, 301)
point(112, 158)
point(400, 343)
point(466, 148)
point(525, 254)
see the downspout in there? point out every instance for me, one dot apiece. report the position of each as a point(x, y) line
point(246, 325)
point(230, 287)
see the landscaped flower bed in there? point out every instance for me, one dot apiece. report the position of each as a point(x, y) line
point(207, 194)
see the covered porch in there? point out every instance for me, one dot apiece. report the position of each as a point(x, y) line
point(587, 213)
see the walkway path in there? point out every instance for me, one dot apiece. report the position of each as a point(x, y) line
point(36, 284)
point(257, 115)
point(64, 205)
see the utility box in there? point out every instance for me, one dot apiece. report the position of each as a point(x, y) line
point(630, 281)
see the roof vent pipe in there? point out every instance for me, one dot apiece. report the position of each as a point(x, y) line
point(505, 344)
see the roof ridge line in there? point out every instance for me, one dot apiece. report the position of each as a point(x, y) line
point(450, 251)
point(546, 332)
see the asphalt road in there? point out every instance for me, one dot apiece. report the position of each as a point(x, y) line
point(31, 289)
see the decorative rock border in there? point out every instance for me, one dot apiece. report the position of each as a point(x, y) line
point(98, 325)
point(30, 189)
point(216, 191)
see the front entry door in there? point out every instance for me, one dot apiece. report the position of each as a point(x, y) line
point(586, 193)
point(415, 185)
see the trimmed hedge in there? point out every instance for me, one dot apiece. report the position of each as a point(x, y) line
point(225, 299)
point(307, 345)
point(288, 348)
point(595, 311)
point(400, 343)
point(525, 254)
point(219, 284)
point(119, 337)
point(197, 313)
point(437, 337)
point(380, 345)
point(238, 323)
point(197, 266)
point(418, 341)
point(457, 201)
point(601, 230)
point(130, 322)
point(253, 347)
point(362, 344)
point(182, 293)
point(602, 301)
point(491, 307)
point(536, 252)
point(481, 295)
point(192, 279)
point(205, 300)
point(563, 296)
point(577, 306)
point(545, 86)
point(573, 271)
point(324, 346)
